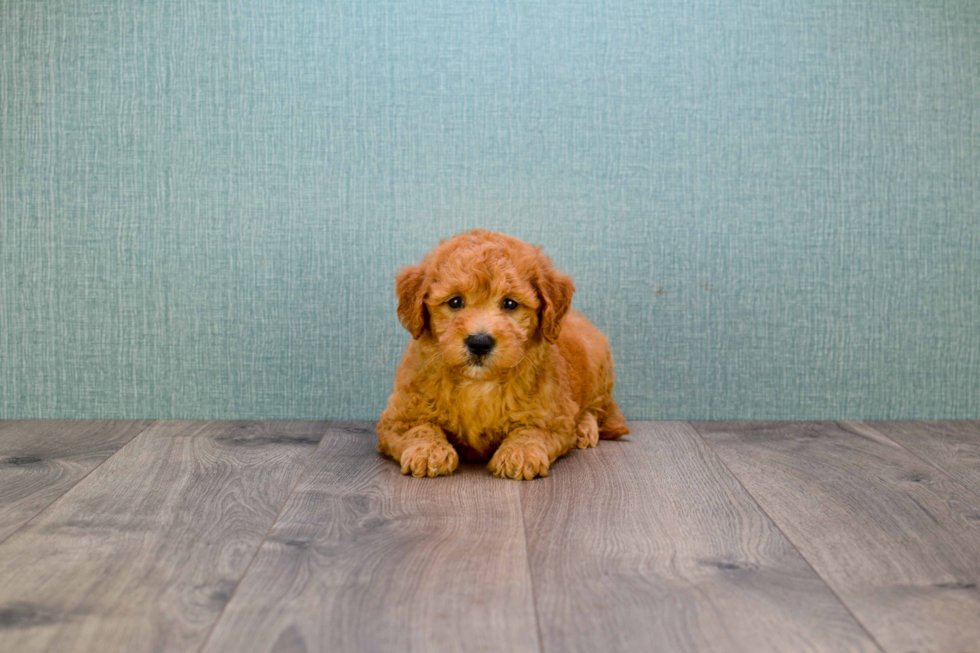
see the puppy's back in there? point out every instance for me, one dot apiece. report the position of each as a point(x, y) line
point(587, 357)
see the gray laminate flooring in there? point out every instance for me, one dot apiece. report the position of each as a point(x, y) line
point(298, 536)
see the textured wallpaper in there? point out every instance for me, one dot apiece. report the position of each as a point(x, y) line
point(771, 208)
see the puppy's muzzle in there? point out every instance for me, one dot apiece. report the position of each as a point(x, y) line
point(480, 344)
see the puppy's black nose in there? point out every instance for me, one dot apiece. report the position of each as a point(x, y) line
point(480, 343)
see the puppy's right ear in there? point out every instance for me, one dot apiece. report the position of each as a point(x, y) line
point(410, 287)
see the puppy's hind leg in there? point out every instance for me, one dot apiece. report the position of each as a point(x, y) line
point(587, 432)
point(422, 450)
point(613, 424)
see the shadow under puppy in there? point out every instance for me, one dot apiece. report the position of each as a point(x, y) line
point(499, 365)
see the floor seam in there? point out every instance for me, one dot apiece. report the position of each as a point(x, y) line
point(78, 482)
point(779, 528)
point(925, 461)
point(530, 575)
point(255, 555)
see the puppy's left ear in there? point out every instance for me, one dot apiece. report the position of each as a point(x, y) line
point(556, 291)
point(410, 287)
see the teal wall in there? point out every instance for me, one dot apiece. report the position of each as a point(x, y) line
point(771, 208)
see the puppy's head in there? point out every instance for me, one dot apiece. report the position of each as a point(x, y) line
point(483, 299)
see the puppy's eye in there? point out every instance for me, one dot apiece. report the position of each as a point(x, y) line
point(508, 304)
point(455, 302)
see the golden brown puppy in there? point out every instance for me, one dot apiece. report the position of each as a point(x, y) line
point(498, 364)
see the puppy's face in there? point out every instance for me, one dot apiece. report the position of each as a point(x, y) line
point(481, 322)
point(484, 299)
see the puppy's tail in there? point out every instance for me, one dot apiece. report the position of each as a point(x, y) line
point(612, 424)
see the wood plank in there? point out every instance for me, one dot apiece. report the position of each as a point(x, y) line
point(897, 540)
point(951, 445)
point(143, 554)
point(42, 459)
point(649, 544)
point(366, 559)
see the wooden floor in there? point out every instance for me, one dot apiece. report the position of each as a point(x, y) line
point(298, 536)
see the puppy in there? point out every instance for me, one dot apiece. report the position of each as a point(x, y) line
point(498, 366)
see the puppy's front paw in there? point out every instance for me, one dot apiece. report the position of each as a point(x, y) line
point(429, 459)
point(519, 461)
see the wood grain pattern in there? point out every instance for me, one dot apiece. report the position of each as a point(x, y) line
point(644, 544)
point(42, 459)
point(898, 540)
point(365, 559)
point(953, 445)
point(145, 552)
point(649, 544)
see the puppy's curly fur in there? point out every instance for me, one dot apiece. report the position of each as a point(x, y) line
point(544, 386)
